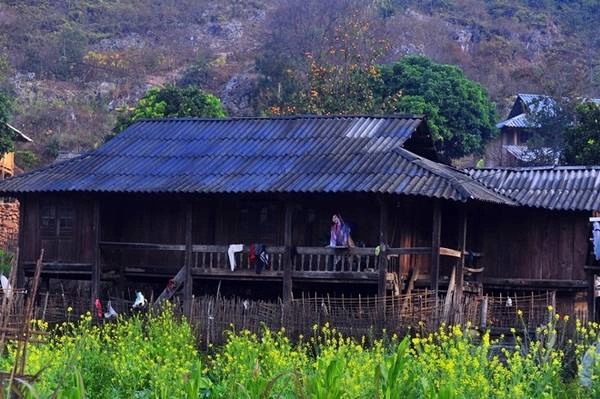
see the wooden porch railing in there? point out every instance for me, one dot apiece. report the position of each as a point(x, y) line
point(213, 258)
point(307, 262)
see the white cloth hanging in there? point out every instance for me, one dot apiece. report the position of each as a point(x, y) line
point(233, 248)
point(5, 286)
point(140, 301)
point(596, 238)
point(111, 313)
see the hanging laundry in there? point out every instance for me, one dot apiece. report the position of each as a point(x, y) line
point(111, 313)
point(140, 301)
point(596, 237)
point(252, 254)
point(258, 257)
point(233, 248)
point(262, 258)
point(5, 286)
point(99, 311)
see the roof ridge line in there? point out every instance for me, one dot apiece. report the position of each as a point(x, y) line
point(284, 117)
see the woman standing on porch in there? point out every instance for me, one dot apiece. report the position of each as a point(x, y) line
point(340, 233)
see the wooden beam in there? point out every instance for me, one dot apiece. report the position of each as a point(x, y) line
point(454, 253)
point(383, 242)
point(21, 244)
point(142, 246)
point(96, 265)
point(188, 281)
point(287, 261)
point(513, 283)
point(591, 295)
point(347, 276)
point(460, 262)
point(436, 232)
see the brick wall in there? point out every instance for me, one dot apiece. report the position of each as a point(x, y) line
point(9, 224)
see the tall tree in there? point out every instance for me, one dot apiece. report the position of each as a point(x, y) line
point(582, 142)
point(460, 114)
point(172, 101)
point(339, 79)
point(7, 135)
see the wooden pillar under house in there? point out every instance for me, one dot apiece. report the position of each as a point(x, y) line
point(96, 264)
point(591, 294)
point(21, 243)
point(460, 263)
point(383, 242)
point(287, 261)
point(188, 287)
point(435, 245)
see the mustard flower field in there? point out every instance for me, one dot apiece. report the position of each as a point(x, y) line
point(156, 356)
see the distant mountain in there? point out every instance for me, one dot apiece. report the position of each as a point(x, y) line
point(73, 64)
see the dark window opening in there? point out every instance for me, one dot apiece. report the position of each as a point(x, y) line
point(524, 137)
point(258, 224)
point(56, 220)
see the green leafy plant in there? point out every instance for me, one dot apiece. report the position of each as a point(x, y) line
point(172, 101)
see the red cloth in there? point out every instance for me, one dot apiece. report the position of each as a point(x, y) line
point(252, 254)
point(99, 312)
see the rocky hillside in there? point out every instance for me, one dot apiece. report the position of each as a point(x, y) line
point(72, 65)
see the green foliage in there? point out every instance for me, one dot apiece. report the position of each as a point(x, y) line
point(26, 159)
point(153, 356)
point(7, 136)
point(71, 47)
point(150, 356)
point(582, 142)
point(459, 112)
point(172, 101)
point(198, 74)
point(6, 260)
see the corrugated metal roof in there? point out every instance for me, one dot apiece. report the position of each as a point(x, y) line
point(520, 121)
point(538, 102)
point(526, 154)
point(291, 154)
point(550, 187)
point(534, 104)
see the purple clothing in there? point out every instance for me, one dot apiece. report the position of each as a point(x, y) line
point(340, 233)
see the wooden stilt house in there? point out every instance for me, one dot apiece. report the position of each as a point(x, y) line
point(178, 195)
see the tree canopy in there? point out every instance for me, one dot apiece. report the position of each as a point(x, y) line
point(460, 114)
point(582, 142)
point(172, 101)
point(7, 136)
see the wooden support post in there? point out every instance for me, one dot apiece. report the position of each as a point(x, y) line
point(591, 296)
point(383, 242)
point(21, 244)
point(287, 262)
point(96, 264)
point(460, 264)
point(435, 245)
point(188, 287)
